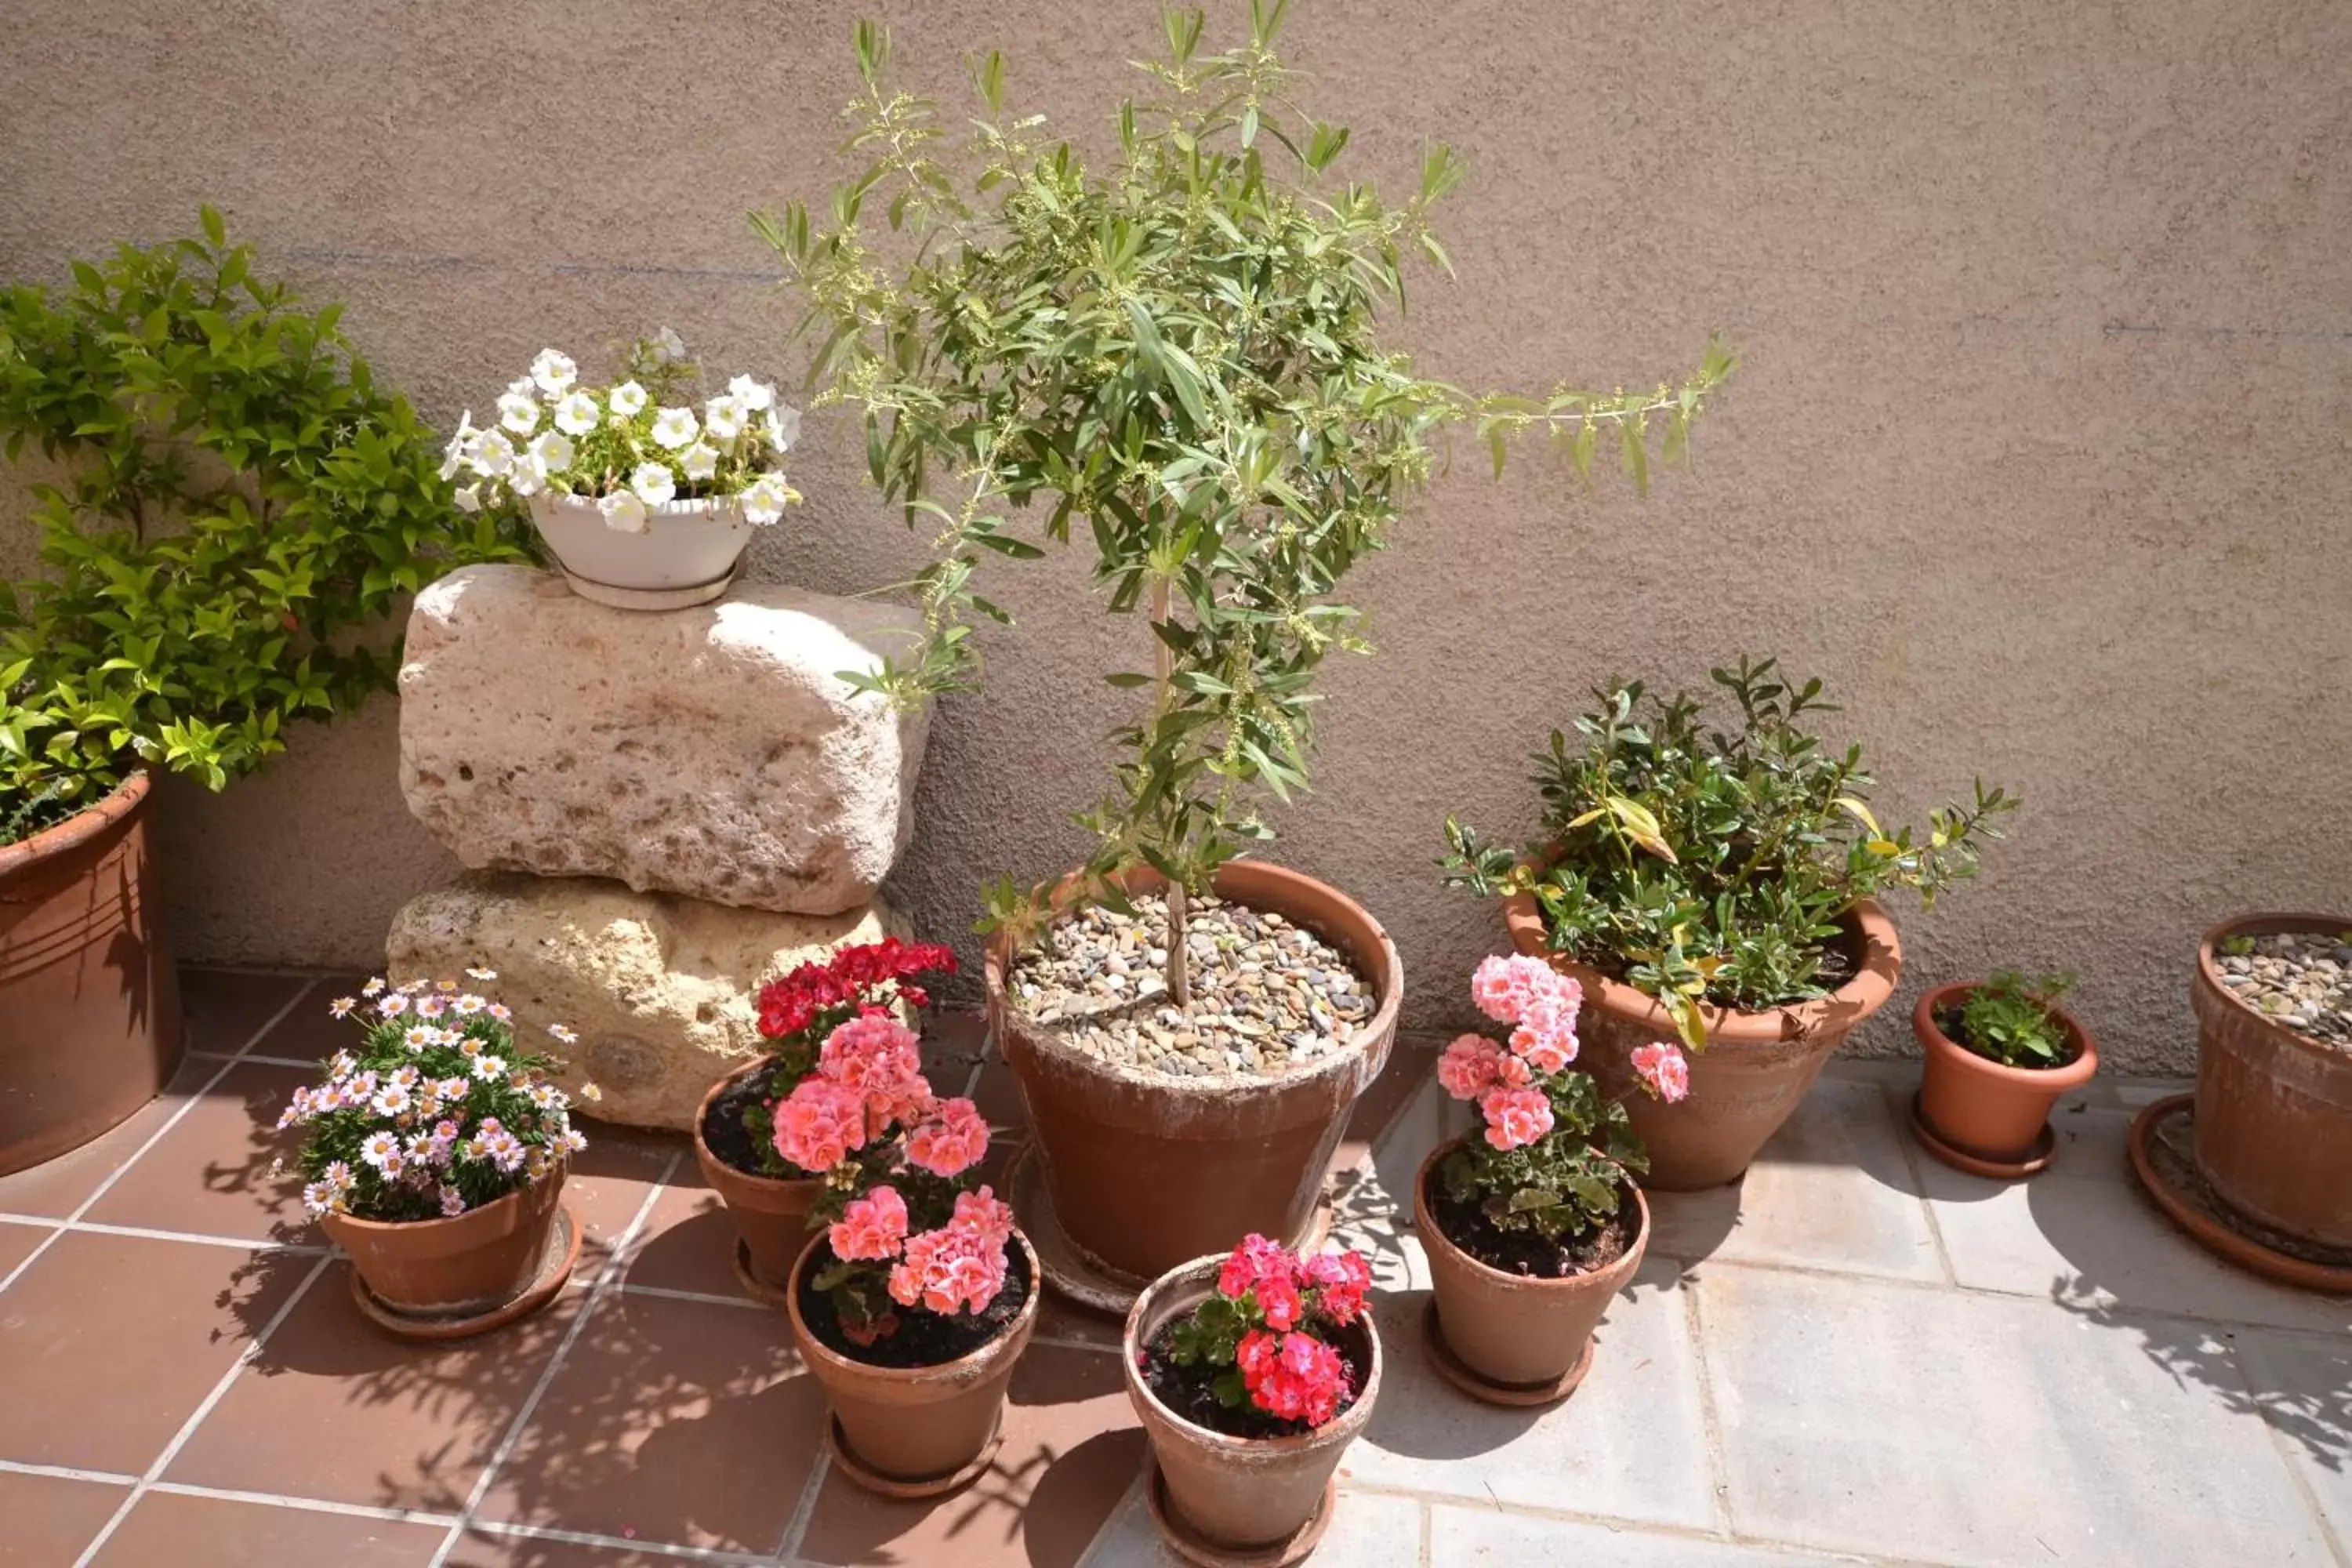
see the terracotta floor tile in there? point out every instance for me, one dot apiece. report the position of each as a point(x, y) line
point(227, 1008)
point(19, 1242)
point(210, 1174)
point(1071, 1450)
point(206, 1532)
point(677, 1422)
point(111, 1342)
point(611, 1178)
point(335, 1409)
point(310, 1033)
point(480, 1548)
point(687, 1242)
point(54, 1188)
point(44, 1523)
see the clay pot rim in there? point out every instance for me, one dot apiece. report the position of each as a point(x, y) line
point(1388, 983)
point(80, 827)
point(757, 1180)
point(1341, 1429)
point(1016, 1335)
point(1870, 988)
point(2068, 1075)
point(1625, 1265)
point(2266, 923)
point(381, 1228)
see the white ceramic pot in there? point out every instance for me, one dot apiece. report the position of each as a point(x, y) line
point(686, 554)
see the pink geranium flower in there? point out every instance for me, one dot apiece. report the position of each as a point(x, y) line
point(1515, 1117)
point(879, 1056)
point(870, 1227)
point(951, 1142)
point(1255, 1259)
point(1341, 1280)
point(819, 1124)
point(1469, 1066)
point(1663, 1071)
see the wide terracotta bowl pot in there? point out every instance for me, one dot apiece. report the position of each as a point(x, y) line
point(1147, 1171)
point(1754, 1070)
point(90, 1026)
point(1511, 1330)
point(916, 1424)
point(1237, 1493)
point(1982, 1107)
point(770, 1213)
point(472, 1264)
point(2274, 1132)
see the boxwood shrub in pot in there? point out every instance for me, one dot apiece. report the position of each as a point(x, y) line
point(1179, 357)
point(1714, 891)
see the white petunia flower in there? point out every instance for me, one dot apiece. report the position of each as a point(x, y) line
point(668, 347)
point(783, 428)
point(675, 427)
point(654, 483)
point(628, 400)
point(554, 373)
point(527, 478)
point(723, 417)
point(577, 415)
point(765, 498)
point(699, 460)
point(624, 513)
point(552, 453)
point(752, 394)
point(468, 497)
point(518, 413)
point(493, 454)
point(460, 447)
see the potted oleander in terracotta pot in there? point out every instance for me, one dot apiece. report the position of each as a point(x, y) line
point(1252, 1372)
point(1714, 893)
point(436, 1157)
point(1532, 1223)
point(1997, 1054)
point(768, 1197)
point(1212, 405)
point(913, 1301)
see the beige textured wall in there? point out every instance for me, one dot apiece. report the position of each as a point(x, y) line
point(2040, 453)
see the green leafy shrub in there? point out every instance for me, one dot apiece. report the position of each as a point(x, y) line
point(1704, 866)
point(2012, 1020)
point(241, 502)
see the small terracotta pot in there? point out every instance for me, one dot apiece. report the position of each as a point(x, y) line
point(2273, 1134)
point(447, 1268)
point(770, 1213)
point(1511, 1331)
point(1145, 1171)
point(1755, 1070)
point(1980, 1107)
point(90, 1026)
point(1237, 1494)
point(911, 1429)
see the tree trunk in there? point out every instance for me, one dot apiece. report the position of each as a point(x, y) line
point(1179, 979)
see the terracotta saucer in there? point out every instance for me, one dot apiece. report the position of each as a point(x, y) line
point(881, 1485)
point(759, 1289)
point(1196, 1548)
point(1077, 1274)
point(2159, 1158)
point(1457, 1372)
point(2037, 1159)
point(555, 1266)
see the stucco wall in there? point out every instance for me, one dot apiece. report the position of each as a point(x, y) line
point(2039, 453)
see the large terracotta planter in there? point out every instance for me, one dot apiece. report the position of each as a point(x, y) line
point(686, 554)
point(2273, 1134)
point(913, 1431)
point(90, 1027)
point(1145, 1172)
point(1514, 1333)
point(770, 1213)
point(1995, 1113)
point(472, 1264)
point(1757, 1066)
point(1236, 1495)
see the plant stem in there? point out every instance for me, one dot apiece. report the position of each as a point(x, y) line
point(1179, 979)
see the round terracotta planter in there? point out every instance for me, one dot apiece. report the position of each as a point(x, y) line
point(770, 1213)
point(471, 1264)
point(1518, 1334)
point(2273, 1134)
point(1238, 1495)
point(1145, 1172)
point(90, 1027)
point(1994, 1113)
point(918, 1430)
point(1757, 1066)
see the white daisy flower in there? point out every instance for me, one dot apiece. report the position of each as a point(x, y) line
point(700, 461)
point(488, 1066)
point(783, 428)
point(413, 986)
point(408, 1077)
point(338, 1175)
point(378, 1147)
point(453, 1203)
point(675, 427)
point(493, 454)
point(451, 1089)
point(590, 1093)
point(752, 394)
point(342, 1064)
point(424, 1035)
point(575, 1139)
point(562, 1033)
point(485, 974)
point(519, 411)
point(654, 483)
point(375, 986)
point(431, 1006)
point(318, 1199)
point(576, 415)
point(554, 373)
point(469, 1048)
point(627, 400)
point(500, 1011)
point(723, 417)
point(389, 1100)
point(624, 513)
point(765, 498)
point(468, 1005)
point(340, 1007)
point(446, 987)
point(394, 1005)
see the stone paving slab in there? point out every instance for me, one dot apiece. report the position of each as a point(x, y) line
point(1370, 1531)
point(2303, 1388)
point(1472, 1538)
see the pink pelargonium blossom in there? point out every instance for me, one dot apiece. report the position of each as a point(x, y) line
point(819, 1124)
point(1255, 1259)
point(1515, 1117)
point(951, 1141)
point(1504, 986)
point(1279, 1303)
point(1663, 1071)
point(947, 1270)
point(1292, 1375)
point(983, 1214)
point(1546, 1034)
point(879, 1056)
point(1341, 1280)
point(1469, 1066)
point(870, 1228)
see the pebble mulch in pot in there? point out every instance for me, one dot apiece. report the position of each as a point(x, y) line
point(2301, 979)
point(1268, 993)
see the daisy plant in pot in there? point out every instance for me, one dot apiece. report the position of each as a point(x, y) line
point(1533, 1224)
point(916, 1295)
point(646, 491)
point(735, 1132)
point(1181, 356)
point(435, 1152)
point(1252, 1371)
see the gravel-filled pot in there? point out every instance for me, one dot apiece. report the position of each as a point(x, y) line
point(449, 1268)
point(1756, 1068)
point(1259, 1500)
point(1525, 1339)
point(1147, 1170)
point(90, 1027)
point(770, 1213)
point(685, 554)
point(2273, 1130)
point(1988, 1111)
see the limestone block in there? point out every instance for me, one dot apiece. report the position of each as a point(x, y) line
point(662, 990)
point(713, 752)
